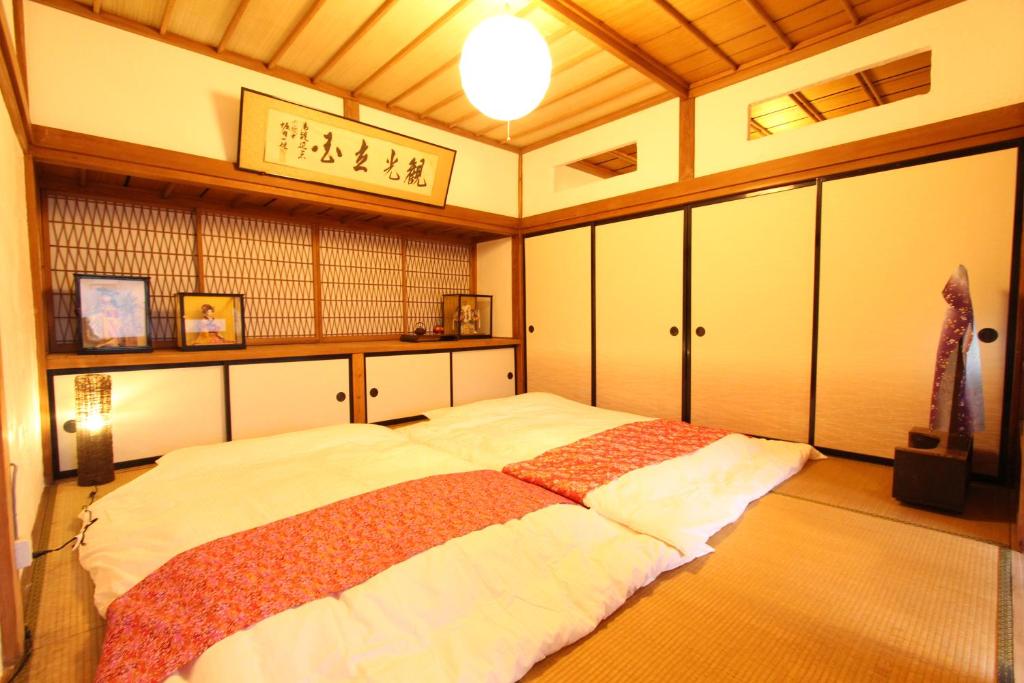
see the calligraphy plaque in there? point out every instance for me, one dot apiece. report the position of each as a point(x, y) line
point(288, 140)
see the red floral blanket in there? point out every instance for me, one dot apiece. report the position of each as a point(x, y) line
point(575, 470)
point(214, 590)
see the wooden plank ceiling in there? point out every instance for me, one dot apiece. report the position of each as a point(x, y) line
point(611, 57)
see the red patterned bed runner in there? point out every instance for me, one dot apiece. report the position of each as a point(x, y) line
point(214, 590)
point(577, 469)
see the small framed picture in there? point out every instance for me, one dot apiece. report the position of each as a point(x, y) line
point(113, 313)
point(211, 321)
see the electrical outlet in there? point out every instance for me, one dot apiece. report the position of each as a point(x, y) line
point(23, 553)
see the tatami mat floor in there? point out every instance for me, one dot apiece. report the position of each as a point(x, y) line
point(827, 579)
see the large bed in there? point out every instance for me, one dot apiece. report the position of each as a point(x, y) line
point(482, 606)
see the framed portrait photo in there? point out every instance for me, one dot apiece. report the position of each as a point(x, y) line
point(113, 313)
point(211, 321)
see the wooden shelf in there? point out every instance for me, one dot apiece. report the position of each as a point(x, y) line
point(74, 361)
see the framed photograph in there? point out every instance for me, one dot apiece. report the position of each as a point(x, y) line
point(211, 321)
point(113, 313)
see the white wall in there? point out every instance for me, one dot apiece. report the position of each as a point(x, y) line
point(654, 130)
point(92, 78)
point(21, 429)
point(494, 277)
point(977, 64)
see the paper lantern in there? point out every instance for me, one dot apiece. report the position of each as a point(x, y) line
point(505, 67)
point(93, 438)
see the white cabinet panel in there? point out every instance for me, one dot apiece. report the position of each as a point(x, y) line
point(285, 396)
point(406, 385)
point(152, 411)
point(479, 375)
point(638, 289)
point(889, 242)
point(558, 313)
point(753, 295)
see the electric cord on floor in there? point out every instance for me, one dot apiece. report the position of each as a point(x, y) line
point(79, 538)
point(25, 656)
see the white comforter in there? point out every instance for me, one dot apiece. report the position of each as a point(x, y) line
point(482, 607)
point(682, 501)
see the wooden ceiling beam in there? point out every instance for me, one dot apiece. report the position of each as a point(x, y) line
point(416, 42)
point(295, 33)
point(806, 105)
point(233, 24)
point(770, 23)
point(850, 11)
point(166, 19)
point(370, 22)
point(696, 33)
point(759, 128)
point(593, 169)
point(595, 30)
point(869, 88)
point(631, 158)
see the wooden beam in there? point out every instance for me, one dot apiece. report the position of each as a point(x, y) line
point(351, 109)
point(233, 24)
point(687, 139)
point(416, 42)
point(696, 33)
point(83, 177)
point(869, 88)
point(168, 191)
point(377, 15)
point(595, 122)
point(593, 28)
point(770, 23)
point(806, 105)
point(12, 86)
point(593, 169)
point(166, 20)
point(759, 128)
point(852, 13)
point(622, 155)
point(97, 5)
point(295, 33)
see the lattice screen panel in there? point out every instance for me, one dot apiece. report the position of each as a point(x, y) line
point(271, 263)
point(435, 269)
point(113, 238)
point(360, 283)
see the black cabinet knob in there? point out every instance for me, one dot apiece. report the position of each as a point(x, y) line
point(340, 396)
point(987, 335)
point(699, 331)
point(530, 328)
point(510, 375)
point(70, 426)
point(374, 392)
point(673, 330)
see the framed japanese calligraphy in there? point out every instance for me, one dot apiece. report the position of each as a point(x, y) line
point(288, 140)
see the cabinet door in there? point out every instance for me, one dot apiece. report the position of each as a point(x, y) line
point(558, 314)
point(889, 242)
point(479, 375)
point(638, 290)
point(152, 412)
point(286, 396)
point(406, 385)
point(752, 313)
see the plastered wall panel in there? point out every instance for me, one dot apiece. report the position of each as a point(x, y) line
point(654, 130)
point(890, 241)
point(558, 309)
point(977, 65)
point(494, 277)
point(753, 289)
point(273, 398)
point(152, 411)
point(639, 300)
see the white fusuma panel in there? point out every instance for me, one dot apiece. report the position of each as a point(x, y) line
point(483, 374)
point(406, 384)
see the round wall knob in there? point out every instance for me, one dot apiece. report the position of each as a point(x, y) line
point(340, 396)
point(673, 330)
point(374, 392)
point(987, 335)
point(700, 331)
point(530, 328)
point(510, 375)
point(70, 426)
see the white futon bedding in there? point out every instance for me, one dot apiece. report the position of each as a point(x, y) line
point(482, 607)
point(682, 501)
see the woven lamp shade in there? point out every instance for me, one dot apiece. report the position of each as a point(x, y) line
point(93, 436)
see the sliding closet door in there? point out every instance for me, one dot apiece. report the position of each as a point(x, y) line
point(752, 313)
point(638, 290)
point(558, 313)
point(889, 242)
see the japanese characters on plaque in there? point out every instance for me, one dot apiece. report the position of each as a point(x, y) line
point(303, 143)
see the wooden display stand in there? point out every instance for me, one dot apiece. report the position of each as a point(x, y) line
point(934, 470)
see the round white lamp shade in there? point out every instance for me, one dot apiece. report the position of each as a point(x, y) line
point(505, 67)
